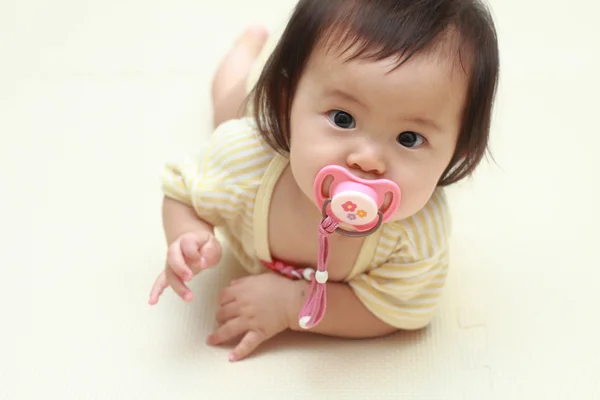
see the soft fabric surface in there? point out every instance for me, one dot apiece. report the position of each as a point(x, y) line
point(96, 96)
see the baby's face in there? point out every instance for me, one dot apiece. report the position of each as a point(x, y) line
point(401, 125)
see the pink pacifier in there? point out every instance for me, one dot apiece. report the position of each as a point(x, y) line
point(355, 201)
point(351, 201)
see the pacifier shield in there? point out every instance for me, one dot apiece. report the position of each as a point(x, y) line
point(355, 201)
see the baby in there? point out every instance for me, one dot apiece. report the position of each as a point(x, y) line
point(378, 93)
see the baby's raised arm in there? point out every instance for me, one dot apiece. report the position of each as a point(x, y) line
point(192, 245)
point(192, 248)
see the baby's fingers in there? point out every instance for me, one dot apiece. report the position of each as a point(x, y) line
point(160, 284)
point(178, 286)
point(191, 253)
point(210, 255)
point(176, 262)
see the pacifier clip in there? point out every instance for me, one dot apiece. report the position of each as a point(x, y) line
point(352, 201)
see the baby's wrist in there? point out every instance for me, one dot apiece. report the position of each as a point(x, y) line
point(297, 297)
point(200, 230)
point(179, 219)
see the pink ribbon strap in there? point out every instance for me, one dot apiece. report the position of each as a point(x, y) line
point(288, 271)
point(314, 308)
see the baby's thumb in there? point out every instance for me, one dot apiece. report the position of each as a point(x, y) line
point(210, 254)
point(190, 250)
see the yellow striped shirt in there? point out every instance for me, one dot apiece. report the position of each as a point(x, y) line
point(401, 269)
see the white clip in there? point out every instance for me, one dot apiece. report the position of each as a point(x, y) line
point(303, 322)
point(321, 276)
point(308, 273)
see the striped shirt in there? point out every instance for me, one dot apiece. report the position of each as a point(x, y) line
point(401, 269)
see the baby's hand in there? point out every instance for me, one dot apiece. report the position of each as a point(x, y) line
point(254, 308)
point(187, 255)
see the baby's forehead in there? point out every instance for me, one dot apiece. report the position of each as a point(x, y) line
point(336, 48)
point(338, 63)
point(426, 81)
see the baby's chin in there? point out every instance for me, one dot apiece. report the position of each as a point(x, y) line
point(402, 215)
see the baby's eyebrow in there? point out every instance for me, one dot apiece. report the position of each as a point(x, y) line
point(425, 122)
point(346, 96)
point(422, 121)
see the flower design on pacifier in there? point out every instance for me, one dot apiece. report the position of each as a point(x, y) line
point(349, 206)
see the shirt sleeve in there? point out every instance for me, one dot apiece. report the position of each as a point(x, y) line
point(185, 181)
point(205, 180)
point(404, 291)
point(179, 179)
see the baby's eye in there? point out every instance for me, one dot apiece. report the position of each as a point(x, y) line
point(410, 139)
point(342, 119)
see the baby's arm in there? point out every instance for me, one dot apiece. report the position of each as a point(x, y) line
point(192, 247)
point(179, 218)
point(188, 229)
point(401, 293)
point(346, 315)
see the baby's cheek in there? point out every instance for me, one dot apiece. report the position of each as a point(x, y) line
point(414, 196)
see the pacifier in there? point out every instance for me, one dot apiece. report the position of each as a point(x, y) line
point(355, 201)
point(351, 201)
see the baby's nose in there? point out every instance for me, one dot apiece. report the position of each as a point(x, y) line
point(367, 160)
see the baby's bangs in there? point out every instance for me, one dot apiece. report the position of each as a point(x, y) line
point(390, 29)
